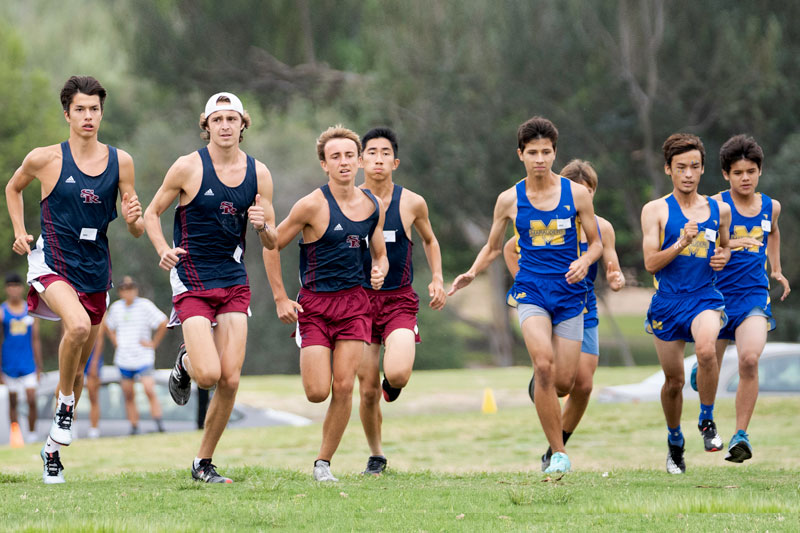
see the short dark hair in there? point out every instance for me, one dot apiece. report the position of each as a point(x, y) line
point(536, 128)
point(13, 278)
point(381, 133)
point(81, 84)
point(740, 147)
point(680, 143)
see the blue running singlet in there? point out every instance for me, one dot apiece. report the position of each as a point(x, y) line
point(212, 229)
point(590, 319)
point(74, 219)
point(398, 249)
point(746, 270)
point(17, 342)
point(335, 261)
point(690, 271)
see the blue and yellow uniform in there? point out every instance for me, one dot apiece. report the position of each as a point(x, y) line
point(743, 282)
point(17, 348)
point(686, 286)
point(591, 340)
point(549, 241)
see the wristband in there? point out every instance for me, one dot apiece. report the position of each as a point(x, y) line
point(262, 230)
point(677, 245)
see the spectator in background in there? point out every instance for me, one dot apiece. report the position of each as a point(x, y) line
point(129, 324)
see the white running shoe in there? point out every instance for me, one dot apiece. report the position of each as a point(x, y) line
point(322, 471)
point(93, 433)
point(53, 469)
point(61, 429)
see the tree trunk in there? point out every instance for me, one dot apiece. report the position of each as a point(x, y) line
point(500, 339)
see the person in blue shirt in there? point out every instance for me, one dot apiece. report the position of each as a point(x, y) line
point(21, 357)
point(685, 242)
point(548, 212)
point(744, 282)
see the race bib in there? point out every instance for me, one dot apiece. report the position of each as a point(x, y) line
point(563, 223)
point(88, 234)
point(390, 235)
point(711, 235)
point(766, 226)
point(237, 254)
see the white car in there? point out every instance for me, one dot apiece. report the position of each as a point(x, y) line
point(778, 374)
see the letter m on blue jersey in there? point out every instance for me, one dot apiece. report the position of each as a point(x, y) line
point(542, 235)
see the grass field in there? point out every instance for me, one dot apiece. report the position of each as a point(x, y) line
point(452, 468)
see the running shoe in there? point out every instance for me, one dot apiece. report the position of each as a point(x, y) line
point(739, 449)
point(675, 464)
point(53, 469)
point(559, 462)
point(207, 473)
point(545, 460)
point(693, 378)
point(322, 471)
point(61, 428)
point(180, 384)
point(530, 388)
point(134, 430)
point(711, 439)
point(376, 464)
point(390, 393)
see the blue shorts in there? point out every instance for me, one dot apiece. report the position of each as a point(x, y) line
point(591, 341)
point(132, 373)
point(670, 316)
point(561, 300)
point(89, 363)
point(738, 307)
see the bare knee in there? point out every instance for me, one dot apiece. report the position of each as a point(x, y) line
point(748, 364)
point(206, 378)
point(544, 373)
point(370, 394)
point(342, 387)
point(398, 380)
point(706, 353)
point(582, 388)
point(317, 395)
point(673, 385)
point(78, 332)
point(229, 383)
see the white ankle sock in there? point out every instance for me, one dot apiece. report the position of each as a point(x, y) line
point(51, 446)
point(69, 400)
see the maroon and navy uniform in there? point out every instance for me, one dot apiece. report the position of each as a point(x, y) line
point(396, 304)
point(210, 278)
point(335, 306)
point(73, 246)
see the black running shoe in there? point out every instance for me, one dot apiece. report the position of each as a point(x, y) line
point(530, 391)
point(390, 393)
point(180, 384)
point(545, 459)
point(675, 464)
point(711, 439)
point(207, 473)
point(376, 464)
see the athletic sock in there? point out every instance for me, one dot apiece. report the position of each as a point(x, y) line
point(322, 461)
point(51, 446)
point(197, 462)
point(183, 362)
point(69, 400)
point(675, 436)
point(565, 435)
point(706, 412)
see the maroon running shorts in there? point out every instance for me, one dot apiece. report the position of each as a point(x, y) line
point(331, 316)
point(393, 309)
point(95, 303)
point(210, 303)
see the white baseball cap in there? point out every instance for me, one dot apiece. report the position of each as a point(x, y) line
point(235, 104)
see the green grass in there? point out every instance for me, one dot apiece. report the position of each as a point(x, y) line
point(452, 468)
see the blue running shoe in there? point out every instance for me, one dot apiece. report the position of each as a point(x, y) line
point(693, 379)
point(559, 462)
point(739, 449)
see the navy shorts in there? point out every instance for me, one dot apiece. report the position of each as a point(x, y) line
point(738, 307)
point(560, 299)
point(670, 316)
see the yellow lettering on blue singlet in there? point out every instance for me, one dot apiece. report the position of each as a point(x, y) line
point(542, 235)
point(698, 247)
point(740, 232)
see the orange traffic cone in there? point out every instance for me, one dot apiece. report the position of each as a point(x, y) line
point(15, 439)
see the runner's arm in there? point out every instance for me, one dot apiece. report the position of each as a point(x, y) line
point(774, 251)
point(24, 175)
point(614, 275)
point(164, 197)
point(654, 258)
point(130, 206)
point(377, 249)
point(594, 249)
point(262, 213)
point(433, 253)
point(722, 252)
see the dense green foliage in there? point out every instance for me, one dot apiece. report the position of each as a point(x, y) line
point(454, 78)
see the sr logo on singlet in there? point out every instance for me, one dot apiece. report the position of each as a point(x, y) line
point(227, 208)
point(89, 197)
point(354, 241)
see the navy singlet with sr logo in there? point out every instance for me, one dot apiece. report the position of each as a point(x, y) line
point(212, 228)
point(398, 249)
point(334, 262)
point(74, 218)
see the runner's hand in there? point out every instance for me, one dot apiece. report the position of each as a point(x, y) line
point(170, 258)
point(777, 276)
point(436, 292)
point(577, 270)
point(744, 242)
point(287, 310)
point(614, 277)
point(131, 208)
point(22, 244)
point(719, 259)
point(689, 233)
point(376, 277)
point(255, 214)
point(460, 282)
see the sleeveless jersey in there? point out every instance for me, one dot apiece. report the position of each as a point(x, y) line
point(212, 229)
point(74, 219)
point(690, 271)
point(747, 268)
point(17, 342)
point(335, 261)
point(548, 240)
point(398, 249)
point(590, 319)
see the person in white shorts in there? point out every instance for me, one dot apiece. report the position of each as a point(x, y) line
point(130, 323)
